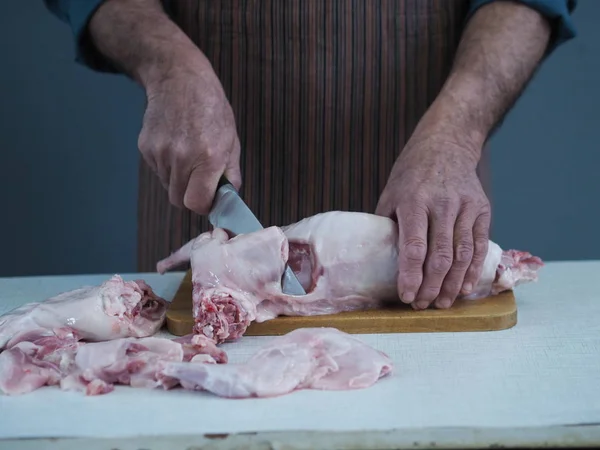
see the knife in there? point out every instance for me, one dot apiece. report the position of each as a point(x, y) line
point(231, 213)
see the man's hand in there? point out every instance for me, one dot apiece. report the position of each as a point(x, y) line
point(443, 219)
point(434, 192)
point(189, 138)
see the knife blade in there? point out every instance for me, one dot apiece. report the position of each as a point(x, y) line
point(231, 213)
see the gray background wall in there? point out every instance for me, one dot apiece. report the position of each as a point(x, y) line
point(68, 140)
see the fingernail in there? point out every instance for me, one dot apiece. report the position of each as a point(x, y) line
point(408, 297)
point(468, 287)
point(443, 303)
point(423, 304)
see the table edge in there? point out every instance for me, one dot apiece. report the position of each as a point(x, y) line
point(559, 436)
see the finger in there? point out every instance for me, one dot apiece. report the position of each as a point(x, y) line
point(383, 207)
point(203, 181)
point(178, 181)
point(463, 254)
point(149, 159)
point(232, 171)
point(481, 230)
point(440, 255)
point(177, 167)
point(412, 249)
point(163, 170)
point(201, 188)
point(148, 156)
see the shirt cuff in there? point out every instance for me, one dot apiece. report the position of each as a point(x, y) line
point(77, 14)
point(558, 12)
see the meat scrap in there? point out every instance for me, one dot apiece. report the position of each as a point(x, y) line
point(345, 261)
point(114, 309)
point(96, 367)
point(307, 358)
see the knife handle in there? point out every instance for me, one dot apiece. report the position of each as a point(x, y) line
point(222, 182)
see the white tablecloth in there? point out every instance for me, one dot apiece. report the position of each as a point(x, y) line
point(543, 372)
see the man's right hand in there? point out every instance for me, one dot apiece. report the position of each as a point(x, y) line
point(189, 137)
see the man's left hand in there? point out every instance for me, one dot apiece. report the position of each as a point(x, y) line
point(443, 218)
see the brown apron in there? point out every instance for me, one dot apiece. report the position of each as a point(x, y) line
point(325, 95)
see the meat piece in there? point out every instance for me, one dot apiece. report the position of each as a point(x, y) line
point(112, 310)
point(199, 348)
point(28, 366)
point(344, 260)
point(307, 358)
point(242, 272)
point(515, 268)
point(96, 367)
point(127, 361)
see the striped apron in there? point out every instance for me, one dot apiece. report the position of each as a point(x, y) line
point(325, 95)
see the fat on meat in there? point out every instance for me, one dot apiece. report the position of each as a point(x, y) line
point(345, 261)
point(306, 358)
point(111, 310)
point(96, 367)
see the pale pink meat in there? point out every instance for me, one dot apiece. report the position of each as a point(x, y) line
point(308, 358)
point(29, 365)
point(344, 260)
point(96, 367)
point(515, 268)
point(114, 309)
point(127, 361)
point(197, 347)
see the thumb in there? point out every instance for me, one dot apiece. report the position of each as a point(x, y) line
point(200, 190)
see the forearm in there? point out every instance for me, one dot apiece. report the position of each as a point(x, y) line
point(138, 37)
point(499, 51)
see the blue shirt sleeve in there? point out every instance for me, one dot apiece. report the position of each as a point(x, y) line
point(558, 12)
point(77, 14)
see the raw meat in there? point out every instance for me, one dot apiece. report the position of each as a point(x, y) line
point(515, 268)
point(28, 366)
point(114, 309)
point(344, 260)
point(93, 338)
point(308, 358)
point(135, 362)
point(96, 367)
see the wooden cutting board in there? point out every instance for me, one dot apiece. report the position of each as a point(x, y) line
point(498, 312)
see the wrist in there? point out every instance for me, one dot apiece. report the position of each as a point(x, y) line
point(447, 126)
point(184, 63)
point(140, 39)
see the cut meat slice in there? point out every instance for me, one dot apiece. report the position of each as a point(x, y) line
point(127, 361)
point(114, 309)
point(96, 367)
point(320, 358)
point(308, 358)
point(345, 261)
point(28, 366)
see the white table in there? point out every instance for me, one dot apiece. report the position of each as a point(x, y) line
point(536, 383)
